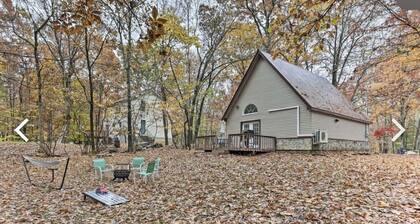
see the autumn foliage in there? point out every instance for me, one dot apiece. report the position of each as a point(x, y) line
point(385, 131)
point(70, 66)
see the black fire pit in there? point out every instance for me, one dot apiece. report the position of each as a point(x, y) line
point(122, 174)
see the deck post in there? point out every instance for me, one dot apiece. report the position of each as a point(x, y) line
point(275, 143)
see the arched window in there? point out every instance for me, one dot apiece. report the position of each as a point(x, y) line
point(251, 108)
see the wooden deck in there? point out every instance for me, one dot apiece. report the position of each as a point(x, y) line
point(210, 143)
point(237, 142)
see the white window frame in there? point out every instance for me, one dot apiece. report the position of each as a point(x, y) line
point(243, 114)
point(298, 134)
point(253, 113)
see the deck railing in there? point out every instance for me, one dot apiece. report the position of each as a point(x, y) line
point(237, 142)
point(210, 142)
point(252, 142)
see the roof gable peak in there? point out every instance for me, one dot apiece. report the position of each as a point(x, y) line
point(319, 94)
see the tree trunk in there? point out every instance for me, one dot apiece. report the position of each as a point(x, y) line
point(127, 62)
point(416, 137)
point(192, 114)
point(174, 132)
point(403, 116)
point(67, 69)
point(22, 104)
point(68, 103)
point(198, 115)
point(129, 113)
point(98, 128)
point(50, 126)
point(185, 132)
point(91, 102)
point(40, 103)
point(165, 127)
point(190, 125)
point(164, 116)
point(67, 108)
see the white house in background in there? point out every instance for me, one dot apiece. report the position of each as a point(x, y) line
point(147, 121)
point(300, 109)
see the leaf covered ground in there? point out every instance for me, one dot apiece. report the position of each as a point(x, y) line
point(198, 187)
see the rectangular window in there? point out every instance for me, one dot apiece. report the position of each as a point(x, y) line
point(246, 127)
point(143, 127)
point(142, 105)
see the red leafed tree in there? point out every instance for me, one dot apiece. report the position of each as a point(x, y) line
point(384, 131)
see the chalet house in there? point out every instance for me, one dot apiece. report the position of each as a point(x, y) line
point(295, 108)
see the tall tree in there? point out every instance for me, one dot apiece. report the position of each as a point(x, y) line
point(289, 26)
point(128, 21)
point(25, 12)
point(65, 49)
point(395, 88)
point(348, 35)
point(84, 17)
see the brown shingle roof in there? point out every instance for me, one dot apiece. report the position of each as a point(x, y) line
point(319, 94)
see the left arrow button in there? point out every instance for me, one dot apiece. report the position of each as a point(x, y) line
point(17, 130)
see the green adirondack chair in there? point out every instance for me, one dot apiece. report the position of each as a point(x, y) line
point(157, 166)
point(148, 172)
point(137, 164)
point(100, 167)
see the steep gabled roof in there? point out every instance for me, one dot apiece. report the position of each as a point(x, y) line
point(319, 94)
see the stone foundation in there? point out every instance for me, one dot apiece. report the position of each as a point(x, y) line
point(333, 144)
point(294, 143)
point(341, 144)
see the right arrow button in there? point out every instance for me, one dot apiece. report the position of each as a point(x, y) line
point(402, 130)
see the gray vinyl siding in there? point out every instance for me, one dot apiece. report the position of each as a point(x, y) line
point(283, 122)
point(267, 90)
point(343, 129)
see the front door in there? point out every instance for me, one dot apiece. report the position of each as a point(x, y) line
point(250, 128)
